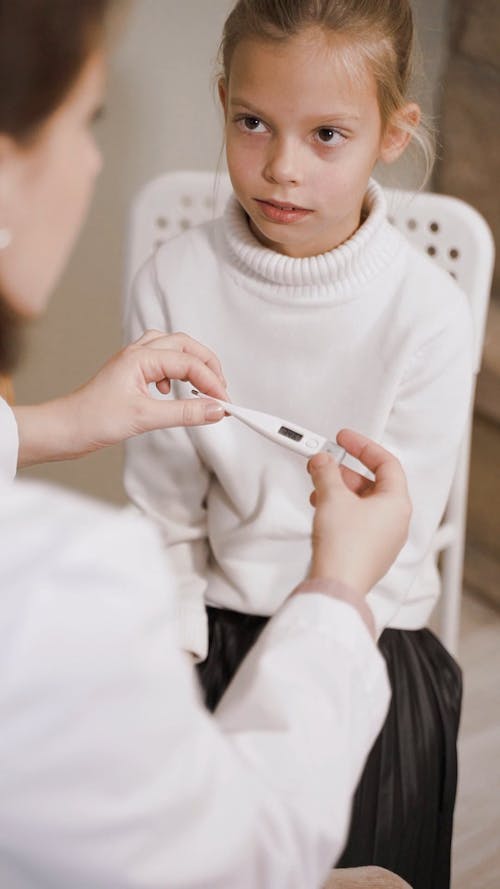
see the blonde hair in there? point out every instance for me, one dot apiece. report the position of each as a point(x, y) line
point(382, 30)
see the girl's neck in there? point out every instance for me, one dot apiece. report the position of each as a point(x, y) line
point(323, 278)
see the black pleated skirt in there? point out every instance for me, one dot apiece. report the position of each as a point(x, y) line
point(402, 814)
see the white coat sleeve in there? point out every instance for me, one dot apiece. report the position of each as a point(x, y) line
point(168, 482)
point(114, 775)
point(425, 430)
point(9, 443)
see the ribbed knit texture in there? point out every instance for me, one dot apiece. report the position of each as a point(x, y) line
point(372, 335)
point(328, 277)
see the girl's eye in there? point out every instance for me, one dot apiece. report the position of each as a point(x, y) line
point(251, 125)
point(329, 136)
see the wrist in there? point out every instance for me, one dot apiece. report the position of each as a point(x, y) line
point(341, 567)
point(49, 432)
point(337, 589)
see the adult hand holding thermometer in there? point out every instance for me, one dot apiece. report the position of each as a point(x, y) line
point(283, 432)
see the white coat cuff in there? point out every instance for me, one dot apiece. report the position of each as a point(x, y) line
point(192, 625)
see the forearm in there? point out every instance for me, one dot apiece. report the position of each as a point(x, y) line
point(116, 404)
point(51, 431)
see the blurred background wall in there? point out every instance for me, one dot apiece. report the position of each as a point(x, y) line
point(469, 167)
point(162, 115)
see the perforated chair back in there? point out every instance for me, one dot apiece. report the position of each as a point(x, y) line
point(457, 237)
point(450, 231)
point(169, 205)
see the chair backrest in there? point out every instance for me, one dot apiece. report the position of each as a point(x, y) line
point(457, 237)
point(167, 206)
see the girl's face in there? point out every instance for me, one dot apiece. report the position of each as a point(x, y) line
point(45, 188)
point(303, 134)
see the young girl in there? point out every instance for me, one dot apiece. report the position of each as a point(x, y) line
point(323, 313)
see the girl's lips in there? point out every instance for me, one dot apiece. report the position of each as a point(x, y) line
point(282, 213)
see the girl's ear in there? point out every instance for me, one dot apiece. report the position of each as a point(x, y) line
point(399, 131)
point(222, 88)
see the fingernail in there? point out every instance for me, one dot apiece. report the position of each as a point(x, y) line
point(214, 411)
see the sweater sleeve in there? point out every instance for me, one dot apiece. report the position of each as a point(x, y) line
point(167, 481)
point(425, 430)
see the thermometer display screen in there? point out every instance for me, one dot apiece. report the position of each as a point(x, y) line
point(290, 433)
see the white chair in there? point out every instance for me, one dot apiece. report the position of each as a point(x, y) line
point(167, 206)
point(458, 238)
point(449, 230)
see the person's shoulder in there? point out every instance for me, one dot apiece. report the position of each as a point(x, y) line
point(175, 272)
point(433, 290)
point(424, 270)
point(195, 243)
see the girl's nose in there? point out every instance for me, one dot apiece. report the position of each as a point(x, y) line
point(283, 163)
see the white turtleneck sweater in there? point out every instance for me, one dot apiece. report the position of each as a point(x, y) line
point(372, 335)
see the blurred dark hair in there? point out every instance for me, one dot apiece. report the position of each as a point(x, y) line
point(11, 331)
point(43, 47)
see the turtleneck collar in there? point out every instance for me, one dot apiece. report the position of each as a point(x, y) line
point(334, 276)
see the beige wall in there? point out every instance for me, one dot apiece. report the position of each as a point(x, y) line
point(161, 115)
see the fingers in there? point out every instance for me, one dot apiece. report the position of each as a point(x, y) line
point(325, 475)
point(164, 387)
point(161, 365)
point(181, 342)
point(356, 483)
point(389, 475)
point(184, 412)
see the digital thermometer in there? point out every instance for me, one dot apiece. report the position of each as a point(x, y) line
point(298, 439)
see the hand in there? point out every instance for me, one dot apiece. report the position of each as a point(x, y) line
point(369, 877)
point(359, 526)
point(117, 404)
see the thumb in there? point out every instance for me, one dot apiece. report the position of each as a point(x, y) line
point(181, 412)
point(325, 475)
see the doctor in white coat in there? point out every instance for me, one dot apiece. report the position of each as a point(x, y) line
point(112, 774)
